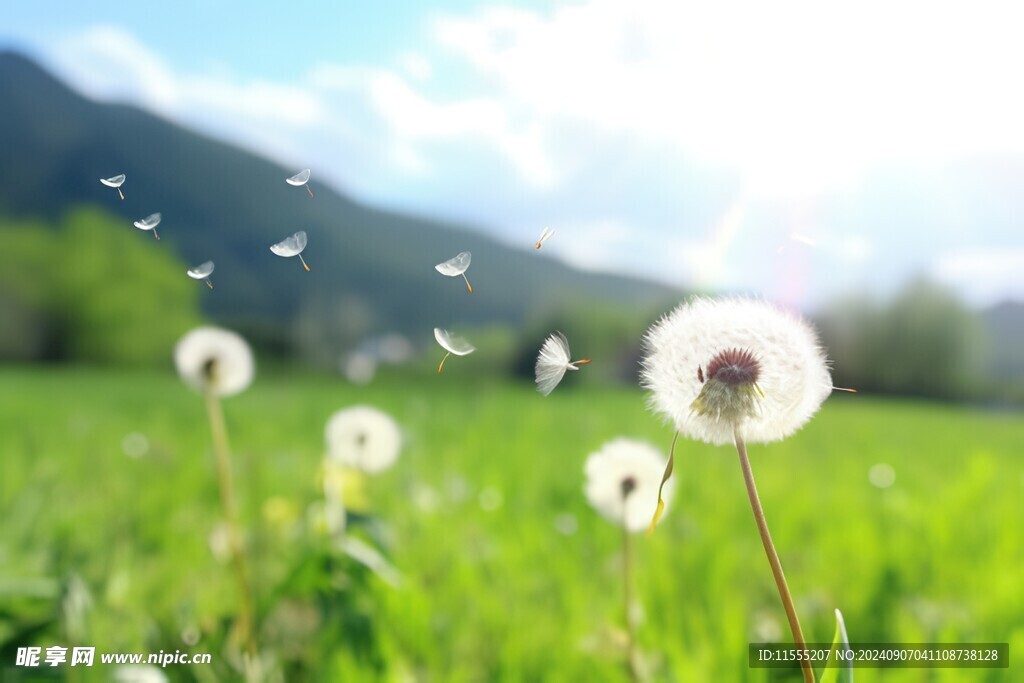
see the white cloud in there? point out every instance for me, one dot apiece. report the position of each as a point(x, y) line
point(107, 62)
point(800, 96)
point(983, 274)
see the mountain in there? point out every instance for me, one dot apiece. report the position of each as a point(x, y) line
point(372, 270)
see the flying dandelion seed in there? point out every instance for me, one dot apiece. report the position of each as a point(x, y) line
point(553, 361)
point(363, 438)
point(202, 272)
point(115, 182)
point(545, 235)
point(301, 179)
point(292, 246)
point(453, 344)
point(737, 371)
point(149, 223)
point(801, 239)
point(455, 266)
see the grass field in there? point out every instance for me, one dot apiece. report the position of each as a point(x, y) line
point(506, 574)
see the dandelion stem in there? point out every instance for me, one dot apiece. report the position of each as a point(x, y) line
point(468, 286)
point(627, 592)
point(227, 502)
point(304, 264)
point(773, 557)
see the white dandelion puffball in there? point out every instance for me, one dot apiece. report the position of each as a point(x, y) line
point(715, 366)
point(215, 360)
point(622, 480)
point(364, 438)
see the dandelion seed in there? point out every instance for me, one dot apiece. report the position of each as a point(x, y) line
point(202, 272)
point(292, 246)
point(115, 182)
point(553, 362)
point(452, 344)
point(301, 179)
point(149, 223)
point(363, 438)
point(622, 480)
point(455, 266)
point(545, 235)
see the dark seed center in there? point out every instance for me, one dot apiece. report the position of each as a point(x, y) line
point(210, 370)
point(734, 367)
point(628, 485)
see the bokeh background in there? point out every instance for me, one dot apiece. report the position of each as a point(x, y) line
point(863, 165)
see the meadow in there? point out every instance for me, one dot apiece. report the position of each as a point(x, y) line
point(504, 572)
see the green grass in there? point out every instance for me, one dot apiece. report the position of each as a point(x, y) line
point(497, 592)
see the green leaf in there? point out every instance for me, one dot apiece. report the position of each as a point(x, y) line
point(839, 671)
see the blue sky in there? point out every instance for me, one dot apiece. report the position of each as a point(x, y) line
point(799, 150)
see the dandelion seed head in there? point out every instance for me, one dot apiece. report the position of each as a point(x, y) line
point(216, 360)
point(364, 438)
point(622, 479)
point(763, 370)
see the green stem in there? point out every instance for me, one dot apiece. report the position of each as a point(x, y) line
point(227, 501)
point(773, 557)
point(627, 592)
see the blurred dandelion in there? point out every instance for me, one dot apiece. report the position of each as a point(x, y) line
point(149, 223)
point(219, 363)
point(455, 266)
point(363, 438)
point(737, 370)
point(453, 344)
point(566, 524)
point(882, 475)
point(545, 235)
point(292, 246)
point(115, 182)
point(553, 361)
point(135, 445)
point(622, 479)
point(202, 272)
point(301, 179)
point(359, 368)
